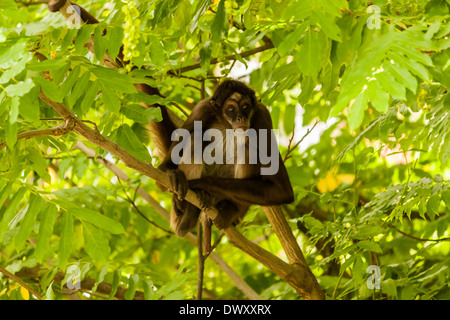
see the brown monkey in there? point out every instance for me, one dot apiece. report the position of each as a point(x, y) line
point(231, 167)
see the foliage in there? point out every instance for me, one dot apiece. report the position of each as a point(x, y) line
point(373, 189)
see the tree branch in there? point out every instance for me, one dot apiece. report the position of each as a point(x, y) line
point(268, 45)
point(59, 130)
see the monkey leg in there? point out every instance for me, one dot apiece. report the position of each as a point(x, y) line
point(230, 213)
point(183, 217)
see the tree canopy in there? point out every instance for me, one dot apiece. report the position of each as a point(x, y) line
point(358, 93)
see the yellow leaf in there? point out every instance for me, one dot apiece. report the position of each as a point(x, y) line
point(25, 294)
point(328, 184)
point(333, 180)
point(345, 178)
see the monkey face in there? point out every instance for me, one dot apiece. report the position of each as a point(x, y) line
point(238, 110)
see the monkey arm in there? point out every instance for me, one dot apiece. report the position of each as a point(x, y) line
point(262, 191)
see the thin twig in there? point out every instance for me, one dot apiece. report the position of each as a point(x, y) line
point(133, 204)
point(417, 238)
point(288, 152)
point(61, 119)
point(216, 243)
point(268, 45)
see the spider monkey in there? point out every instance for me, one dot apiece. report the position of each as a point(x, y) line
point(230, 185)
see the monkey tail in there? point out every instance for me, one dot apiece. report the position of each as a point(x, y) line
point(161, 132)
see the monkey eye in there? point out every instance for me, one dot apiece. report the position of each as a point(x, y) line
point(230, 109)
point(245, 107)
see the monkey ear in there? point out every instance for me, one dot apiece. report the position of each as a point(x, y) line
point(214, 103)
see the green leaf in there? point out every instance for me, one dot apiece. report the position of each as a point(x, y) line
point(416, 68)
point(15, 69)
point(140, 114)
point(10, 52)
point(132, 286)
point(202, 6)
point(28, 222)
point(434, 27)
point(205, 56)
point(115, 283)
point(110, 100)
point(11, 134)
point(115, 38)
point(389, 287)
point(161, 12)
point(20, 88)
point(413, 53)
point(148, 288)
point(47, 221)
point(289, 118)
point(50, 89)
point(112, 79)
point(388, 83)
point(359, 270)
point(48, 64)
point(13, 110)
point(218, 25)
point(292, 39)
point(65, 241)
point(70, 81)
point(49, 294)
point(78, 89)
point(330, 28)
point(444, 154)
point(29, 105)
point(367, 231)
point(11, 210)
point(89, 96)
point(369, 245)
point(356, 111)
point(8, 4)
point(39, 164)
point(100, 42)
point(378, 97)
point(308, 56)
point(127, 139)
point(433, 206)
point(183, 14)
point(446, 197)
point(96, 243)
point(422, 208)
point(83, 36)
point(101, 277)
point(402, 75)
point(95, 218)
point(157, 54)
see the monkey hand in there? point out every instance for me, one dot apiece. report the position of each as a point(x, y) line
point(179, 183)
